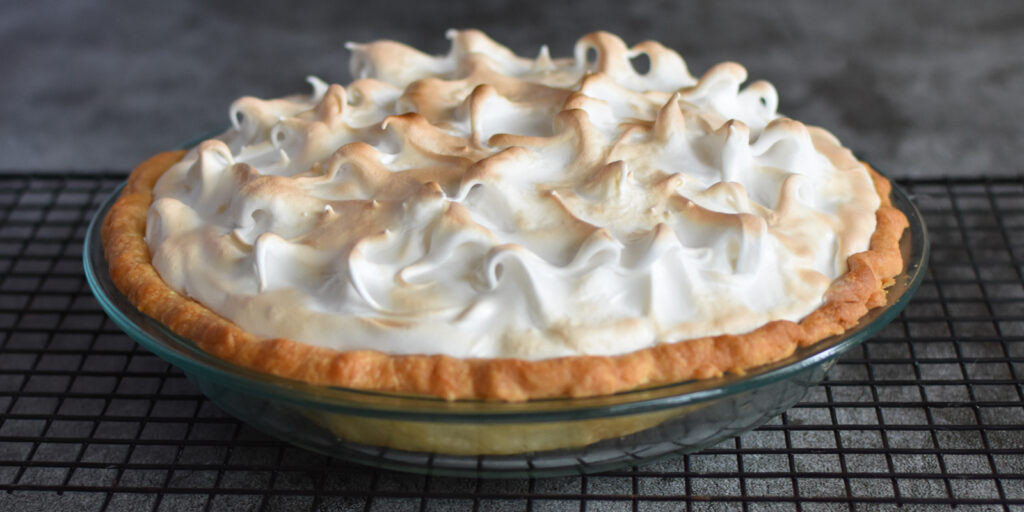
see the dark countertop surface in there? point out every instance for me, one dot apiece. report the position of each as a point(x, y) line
point(919, 88)
point(926, 414)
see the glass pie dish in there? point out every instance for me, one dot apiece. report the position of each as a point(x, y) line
point(491, 439)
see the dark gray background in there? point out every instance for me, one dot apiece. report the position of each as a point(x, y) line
point(918, 88)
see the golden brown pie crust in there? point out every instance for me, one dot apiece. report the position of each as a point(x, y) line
point(847, 300)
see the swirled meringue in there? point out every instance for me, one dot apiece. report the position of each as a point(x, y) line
point(481, 204)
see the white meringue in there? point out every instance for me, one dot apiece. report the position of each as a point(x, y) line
point(480, 204)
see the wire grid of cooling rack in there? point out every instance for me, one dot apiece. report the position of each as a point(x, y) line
point(928, 413)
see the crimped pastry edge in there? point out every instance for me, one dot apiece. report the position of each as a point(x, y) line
point(848, 299)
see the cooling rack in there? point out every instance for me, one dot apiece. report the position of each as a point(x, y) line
point(929, 413)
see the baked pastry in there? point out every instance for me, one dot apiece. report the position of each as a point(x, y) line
point(482, 225)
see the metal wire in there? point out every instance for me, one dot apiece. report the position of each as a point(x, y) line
point(929, 412)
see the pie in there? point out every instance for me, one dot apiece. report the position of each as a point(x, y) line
point(479, 225)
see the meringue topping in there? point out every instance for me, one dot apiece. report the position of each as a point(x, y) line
point(482, 204)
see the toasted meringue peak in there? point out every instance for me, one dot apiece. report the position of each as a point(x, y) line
point(483, 204)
